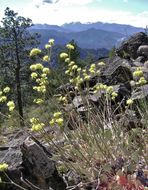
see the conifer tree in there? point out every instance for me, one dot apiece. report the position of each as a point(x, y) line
point(15, 44)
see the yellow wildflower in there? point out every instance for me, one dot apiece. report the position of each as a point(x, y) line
point(74, 67)
point(67, 60)
point(114, 95)
point(92, 65)
point(39, 66)
point(47, 46)
point(35, 51)
point(11, 105)
point(129, 102)
point(46, 58)
point(46, 70)
point(33, 67)
point(34, 75)
point(60, 121)
point(57, 114)
point(3, 99)
point(63, 55)
point(3, 167)
point(37, 127)
point(6, 89)
point(33, 120)
point(70, 47)
point(87, 77)
point(109, 89)
point(142, 81)
point(67, 72)
point(79, 69)
point(52, 122)
point(51, 42)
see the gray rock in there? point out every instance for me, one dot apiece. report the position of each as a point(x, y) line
point(141, 93)
point(137, 63)
point(140, 59)
point(129, 47)
point(143, 51)
point(117, 72)
point(29, 166)
point(146, 64)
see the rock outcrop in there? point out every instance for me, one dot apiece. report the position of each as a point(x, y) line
point(129, 47)
point(30, 166)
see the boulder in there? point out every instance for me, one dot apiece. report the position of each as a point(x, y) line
point(117, 72)
point(143, 51)
point(30, 166)
point(129, 47)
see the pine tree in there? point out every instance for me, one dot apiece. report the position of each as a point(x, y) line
point(15, 43)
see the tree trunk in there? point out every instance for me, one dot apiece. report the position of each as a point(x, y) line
point(18, 84)
point(19, 96)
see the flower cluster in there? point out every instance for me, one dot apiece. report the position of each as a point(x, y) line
point(57, 119)
point(36, 125)
point(63, 55)
point(11, 105)
point(40, 74)
point(3, 167)
point(48, 47)
point(34, 52)
point(142, 81)
point(138, 72)
point(3, 99)
point(63, 100)
point(46, 58)
point(76, 74)
point(51, 42)
point(70, 47)
point(108, 90)
point(129, 102)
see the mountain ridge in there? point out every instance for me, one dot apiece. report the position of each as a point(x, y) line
point(90, 39)
point(78, 26)
point(88, 35)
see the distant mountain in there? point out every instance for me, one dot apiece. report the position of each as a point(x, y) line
point(90, 39)
point(79, 27)
point(113, 27)
point(90, 35)
point(49, 27)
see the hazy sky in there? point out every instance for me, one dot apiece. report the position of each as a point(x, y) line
point(134, 12)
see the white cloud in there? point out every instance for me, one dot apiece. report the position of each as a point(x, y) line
point(75, 10)
point(125, 1)
point(62, 2)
